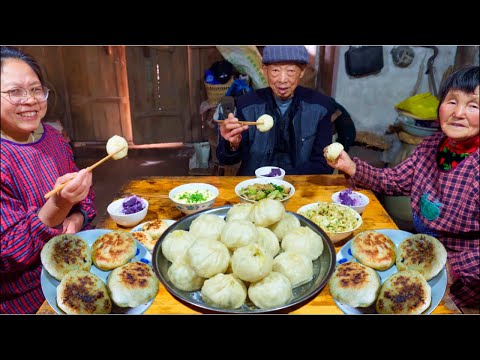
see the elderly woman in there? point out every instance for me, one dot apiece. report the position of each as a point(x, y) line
point(34, 159)
point(442, 178)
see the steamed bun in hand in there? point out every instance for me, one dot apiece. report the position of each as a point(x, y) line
point(333, 151)
point(114, 144)
point(265, 122)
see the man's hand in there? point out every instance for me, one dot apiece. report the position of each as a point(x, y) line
point(231, 131)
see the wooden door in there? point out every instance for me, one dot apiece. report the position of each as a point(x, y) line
point(158, 86)
point(98, 92)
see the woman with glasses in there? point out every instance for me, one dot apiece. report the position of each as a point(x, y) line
point(31, 167)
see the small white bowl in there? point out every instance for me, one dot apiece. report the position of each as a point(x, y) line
point(263, 180)
point(334, 236)
point(115, 211)
point(356, 195)
point(263, 171)
point(196, 207)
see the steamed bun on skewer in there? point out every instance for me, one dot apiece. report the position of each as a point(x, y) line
point(265, 122)
point(334, 150)
point(114, 144)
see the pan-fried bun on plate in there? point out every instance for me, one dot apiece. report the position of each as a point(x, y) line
point(113, 249)
point(422, 253)
point(155, 228)
point(145, 238)
point(82, 292)
point(64, 253)
point(354, 284)
point(374, 250)
point(405, 292)
point(132, 284)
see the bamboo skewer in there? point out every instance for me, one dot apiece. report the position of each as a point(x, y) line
point(90, 168)
point(244, 122)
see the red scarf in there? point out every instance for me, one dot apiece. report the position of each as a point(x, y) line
point(452, 152)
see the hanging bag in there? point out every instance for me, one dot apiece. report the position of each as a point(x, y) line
point(363, 60)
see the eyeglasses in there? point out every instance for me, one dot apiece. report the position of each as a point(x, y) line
point(20, 95)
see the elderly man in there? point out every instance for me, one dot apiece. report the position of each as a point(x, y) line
point(302, 126)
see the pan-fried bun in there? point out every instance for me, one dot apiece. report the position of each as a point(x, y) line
point(145, 238)
point(82, 292)
point(132, 284)
point(405, 292)
point(422, 253)
point(354, 284)
point(374, 250)
point(113, 249)
point(64, 253)
point(155, 228)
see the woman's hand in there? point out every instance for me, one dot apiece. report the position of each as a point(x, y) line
point(231, 131)
point(57, 207)
point(343, 162)
point(73, 223)
point(76, 190)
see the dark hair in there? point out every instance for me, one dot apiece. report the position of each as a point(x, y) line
point(10, 52)
point(466, 79)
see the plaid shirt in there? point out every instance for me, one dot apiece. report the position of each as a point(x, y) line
point(28, 172)
point(454, 197)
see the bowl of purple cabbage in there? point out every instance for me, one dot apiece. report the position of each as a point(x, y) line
point(356, 200)
point(128, 211)
point(272, 172)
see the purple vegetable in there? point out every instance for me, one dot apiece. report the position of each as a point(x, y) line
point(347, 197)
point(274, 172)
point(132, 204)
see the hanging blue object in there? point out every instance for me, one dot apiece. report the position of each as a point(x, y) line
point(238, 87)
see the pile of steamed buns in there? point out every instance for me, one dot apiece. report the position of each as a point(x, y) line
point(259, 251)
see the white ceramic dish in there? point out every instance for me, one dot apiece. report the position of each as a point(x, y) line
point(438, 283)
point(193, 208)
point(263, 180)
point(115, 211)
point(335, 236)
point(49, 283)
point(263, 171)
point(356, 195)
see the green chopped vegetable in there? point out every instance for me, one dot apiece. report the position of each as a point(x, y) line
point(193, 197)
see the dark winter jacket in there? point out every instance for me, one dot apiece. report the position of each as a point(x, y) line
point(306, 130)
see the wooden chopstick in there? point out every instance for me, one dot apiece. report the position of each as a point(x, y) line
point(90, 168)
point(244, 122)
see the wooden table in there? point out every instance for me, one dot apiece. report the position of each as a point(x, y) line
point(308, 189)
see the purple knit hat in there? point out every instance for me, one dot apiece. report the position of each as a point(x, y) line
point(273, 54)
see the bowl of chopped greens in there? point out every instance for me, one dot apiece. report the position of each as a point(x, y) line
point(128, 211)
point(272, 172)
point(356, 200)
point(253, 190)
point(338, 221)
point(193, 197)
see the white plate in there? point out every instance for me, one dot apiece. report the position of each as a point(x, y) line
point(438, 283)
point(139, 226)
point(49, 283)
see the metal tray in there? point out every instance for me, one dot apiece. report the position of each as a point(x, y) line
point(323, 268)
